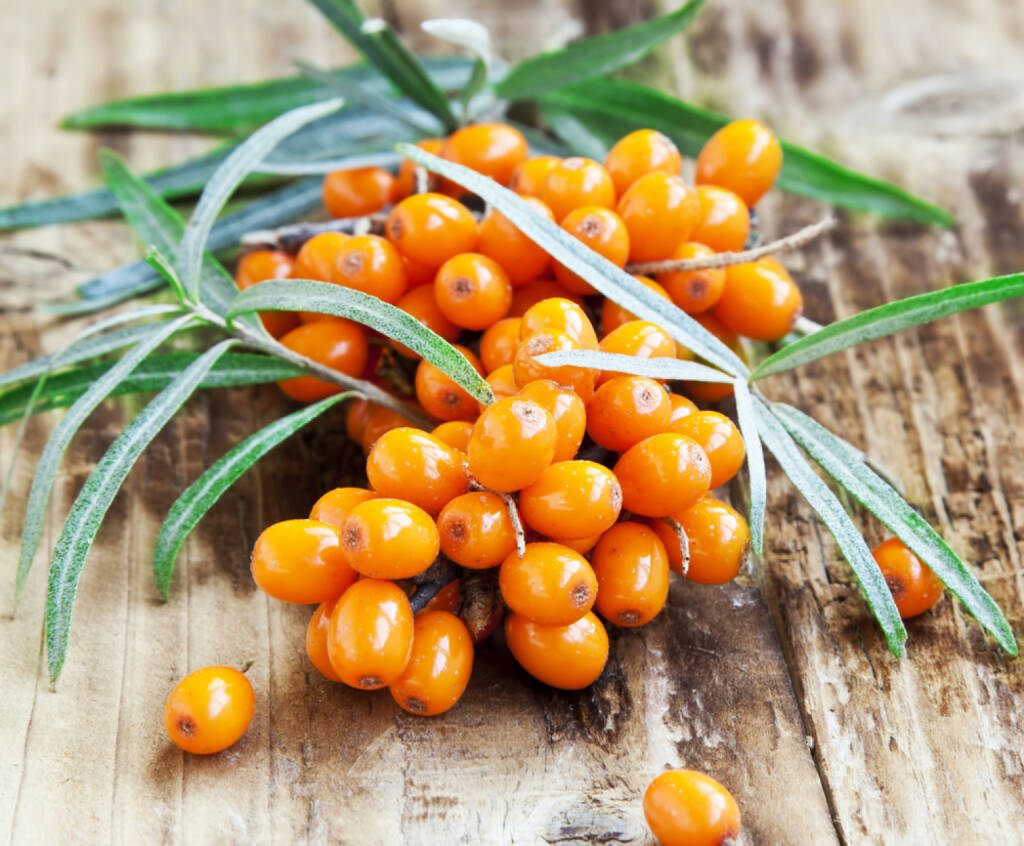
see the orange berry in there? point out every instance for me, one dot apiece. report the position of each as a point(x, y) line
point(439, 666)
point(410, 464)
point(502, 382)
point(603, 231)
point(632, 572)
point(549, 584)
point(640, 339)
point(687, 808)
point(568, 657)
point(613, 315)
point(572, 500)
point(421, 304)
point(405, 183)
point(518, 256)
point(333, 507)
point(357, 191)
point(448, 598)
point(681, 407)
point(566, 409)
point(576, 182)
point(370, 264)
point(493, 149)
point(528, 177)
point(356, 417)
point(513, 441)
point(639, 153)
point(694, 291)
point(743, 156)
point(499, 343)
point(625, 410)
point(317, 256)
point(440, 395)
point(663, 474)
point(301, 561)
point(455, 433)
point(724, 223)
point(259, 266)
point(715, 391)
point(659, 210)
point(476, 530)
point(431, 228)
point(417, 275)
point(720, 440)
point(389, 539)
point(583, 545)
point(379, 421)
point(760, 300)
point(369, 638)
point(527, 369)
point(914, 587)
point(316, 640)
point(333, 342)
point(472, 291)
point(539, 289)
point(719, 539)
point(559, 314)
point(209, 710)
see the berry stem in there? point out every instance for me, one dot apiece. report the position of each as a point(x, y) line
point(806, 326)
point(684, 541)
point(426, 592)
point(291, 238)
point(513, 513)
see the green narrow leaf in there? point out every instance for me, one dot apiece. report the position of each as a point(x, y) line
point(838, 522)
point(747, 416)
point(163, 266)
point(890, 318)
point(611, 108)
point(99, 490)
point(594, 56)
point(325, 298)
point(202, 494)
point(843, 463)
point(654, 368)
point(575, 133)
point(472, 36)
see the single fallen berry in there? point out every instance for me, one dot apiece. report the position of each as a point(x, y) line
point(687, 808)
point(914, 587)
point(209, 710)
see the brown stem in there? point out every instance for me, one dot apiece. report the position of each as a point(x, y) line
point(291, 238)
point(684, 541)
point(513, 514)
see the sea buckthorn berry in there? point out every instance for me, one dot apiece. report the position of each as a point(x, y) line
point(549, 584)
point(301, 561)
point(681, 407)
point(583, 545)
point(512, 442)
point(334, 506)
point(431, 228)
point(720, 440)
point(687, 808)
point(694, 291)
point(333, 342)
point(409, 464)
point(572, 500)
point(613, 315)
point(455, 433)
point(914, 587)
point(640, 339)
point(715, 391)
point(577, 182)
point(663, 474)
point(476, 530)
point(417, 275)
point(639, 153)
point(502, 382)
point(389, 539)
point(533, 292)
point(724, 223)
point(559, 315)
point(209, 710)
point(528, 177)
point(357, 191)
point(659, 210)
point(499, 239)
point(760, 300)
point(566, 409)
point(632, 572)
point(604, 232)
point(316, 640)
point(472, 291)
point(259, 266)
point(499, 343)
point(625, 410)
point(439, 667)
point(568, 657)
point(317, 256)
point(448, 598)
point(369, 638)
point(441, 396)
point(527, 369)
point(743, 156)
point(719, 539)
point(356, 416)
point(370, 264)
point(493, 149)
point(379, 421)
point(405, 183)
point(421, 304)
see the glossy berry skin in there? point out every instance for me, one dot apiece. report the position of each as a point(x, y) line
point(603, 231)
point(369, 638)
point(439, 667)
point(568, 657)
point(625, 410)
point(301, 561)
point(357, 191)
point(499, 343)
point(760, 300)
point(577, 182)
point(527, 369)
point(720, 440)
point(440, 395)
point(632, 572)
point(550, 584)
point(613, 315)
point(476, 530)
point(914, 587)
point(724, 223)
point(528, 177)
point(687, 808)
point(493, 149)
point(356, 417)
point(448, 598)
point(572, 500)
point(681, 407)
point(389, 539)
point(559, 315)
point(582, 545)
point(370, 264)
point(455, 433)
point(499, 239)
point(472, 291)
point(421, 304)
point(659, 210)
point(431, 228)
point(512, 442)
point(638, 338)
point(316, 640)
point(502, 382)
point(333, 342)
point(719, 541)
point(663, 474)
point(639, 153)
point(405, 182)
point(317, 256)
point(209, 710)
point(694, 291)
point(566, 409)
point(525, 296)
point(259, 266)
point(334, 506)
point(410, 464)
point(379, 421)
point(743, 156)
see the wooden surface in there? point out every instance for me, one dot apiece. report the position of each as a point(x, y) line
point(779, 684)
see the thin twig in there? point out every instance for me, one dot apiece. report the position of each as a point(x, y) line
point(291, 238)
point(790, 242)
point(684, 542)
point(513, 514)
point(806, 326)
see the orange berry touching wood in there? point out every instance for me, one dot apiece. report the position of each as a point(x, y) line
point(549, 584)
point(743, 156)
point(440, 395)
point(603, 231)
point(760, 300)
point(476, 530)
point(687, 808)
point(357, 191)
point(659, 211)
point(513, 441)
point(632, 572)
point(369, 638)
point(410, 464)
point(566, 409)
point(694, 291)
point(499, 239)
point(572, 500)
point(718, 539)
point(499, 343)
point(472, 291)
point(576, 182)
point(493, 149)
point(663, 474)
point(301, 561)
point(316, 640)
point(914, 587)
point(568, 657)
point(209, 710)
point(333, 342)
point(431, 228)
point(370, 264)
point(720, 440)
point(334, 506)
point(639, 153)
point(625, 410)
point(724, 223)
point(439, 666)
point(389, 539)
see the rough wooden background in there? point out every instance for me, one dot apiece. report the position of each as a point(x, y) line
point(779, 685)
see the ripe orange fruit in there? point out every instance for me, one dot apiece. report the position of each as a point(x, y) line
point(569, 657)
point(550, 584)
point(476, 530)
point(431, 228)
point(632, 572)
point(914, 587)
point(724, 223)
point(625, 410)
point(389, 539)
point(357, 191)
point(518, 256)
point(663, 474)
point(659, 211)
point(720, 440)
point(603, 231)
point(694, 291)
point(369, 637)
point(472, 291)
point(316, 640)
point(333, 342)
point(743, 156)
point(410, 464)
point(565, 408)
point(209, 710)
point(512, 442)
point(334, 506)
point(760, 300)
point(493, 149)
point(639, 153)
point(576, 182)
point(301, 561)
point(687, 808)
point(572, 500)
point(439, 666)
